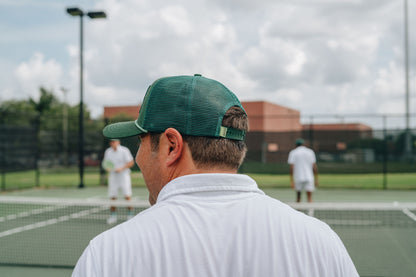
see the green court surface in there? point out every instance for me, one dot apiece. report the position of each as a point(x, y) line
point(285, 195)
point(380, 242)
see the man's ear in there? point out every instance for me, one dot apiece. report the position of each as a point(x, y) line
point(174, 143)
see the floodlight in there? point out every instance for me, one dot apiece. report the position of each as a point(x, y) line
point(75, 11)
point(98, 14)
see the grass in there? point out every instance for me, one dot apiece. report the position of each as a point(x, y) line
point(332, 167)
point(27, 179)
point(70, 178)
point(344, 181)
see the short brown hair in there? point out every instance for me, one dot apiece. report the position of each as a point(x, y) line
point(212, 151)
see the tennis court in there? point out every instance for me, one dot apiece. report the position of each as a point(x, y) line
point(45, 231)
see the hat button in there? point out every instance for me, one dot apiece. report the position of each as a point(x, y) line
point(197, 75)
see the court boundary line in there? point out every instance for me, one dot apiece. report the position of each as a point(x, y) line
point(52, 221)
point(407, 212)
point(310, 208)
point(73, 201)
point(31, 212)
point(369, 206)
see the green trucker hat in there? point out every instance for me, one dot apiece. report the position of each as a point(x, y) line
point(194, 105)
point(299, 141)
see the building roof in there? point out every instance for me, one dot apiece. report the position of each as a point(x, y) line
point(263, 117)
point(338, 127)
point(111, 111)
point(269, 117)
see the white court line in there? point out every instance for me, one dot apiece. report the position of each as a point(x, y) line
point(51, 221)
point(71, 202)
point(347, 222)
point(97, 197)
point(353, 222)
point(407, 212)
point(29, 213)
point(102, 198)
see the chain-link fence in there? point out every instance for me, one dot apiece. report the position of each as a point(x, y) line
point(343, 144)
point(30, 141)
point(337, 146)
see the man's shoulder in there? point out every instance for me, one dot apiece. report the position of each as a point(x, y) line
point(123, 148)
point(135, 227)
point(303, 149)
point(310, 151)
point(296, 151)
point(108, 150)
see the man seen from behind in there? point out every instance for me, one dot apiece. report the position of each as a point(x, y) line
point(205, 219)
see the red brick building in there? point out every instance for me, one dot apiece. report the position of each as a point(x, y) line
point(112, 111)
point(274, 128)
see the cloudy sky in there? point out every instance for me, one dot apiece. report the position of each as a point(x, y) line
point(317, 56)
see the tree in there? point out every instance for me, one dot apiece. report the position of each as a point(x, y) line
point(377, 145)
point(17, 112)
point(46, 101)
point(46, 115)
point(400, 144)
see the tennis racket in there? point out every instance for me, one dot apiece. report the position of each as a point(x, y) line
point(108, 165)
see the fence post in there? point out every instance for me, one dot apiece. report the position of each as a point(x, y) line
point(3, 151)
point(103, 177)
point(385, 153)
point(38, 147)
point(311, 132)
point(264, 152)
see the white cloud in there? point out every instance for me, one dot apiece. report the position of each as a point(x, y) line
point(291, 96)
point(390, 81)
point(176, 19)
point(38, 72)
point(317, 56)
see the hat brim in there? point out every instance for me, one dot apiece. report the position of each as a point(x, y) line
point(122, 130)
point(299, 142)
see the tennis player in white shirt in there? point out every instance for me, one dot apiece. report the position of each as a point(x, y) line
point(205, 219)
point(303, 170)
point(118, 161)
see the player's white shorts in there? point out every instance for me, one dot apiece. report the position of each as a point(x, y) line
point(116, 182)
point(305, 185)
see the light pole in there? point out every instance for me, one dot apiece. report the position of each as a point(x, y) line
point(407, 139)
point(65, 127)
point(93, 15)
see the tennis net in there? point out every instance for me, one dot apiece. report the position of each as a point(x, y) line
point(54, 232)
point(380, 237)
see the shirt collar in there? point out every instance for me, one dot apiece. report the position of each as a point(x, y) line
point(208, 183)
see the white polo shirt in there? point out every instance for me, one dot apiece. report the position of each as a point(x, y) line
point(218, 225)
point(119, 157)
point(302, 159)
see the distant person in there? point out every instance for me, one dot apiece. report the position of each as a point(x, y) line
point(205, 219)
point(303, 170)
point(117, 162)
